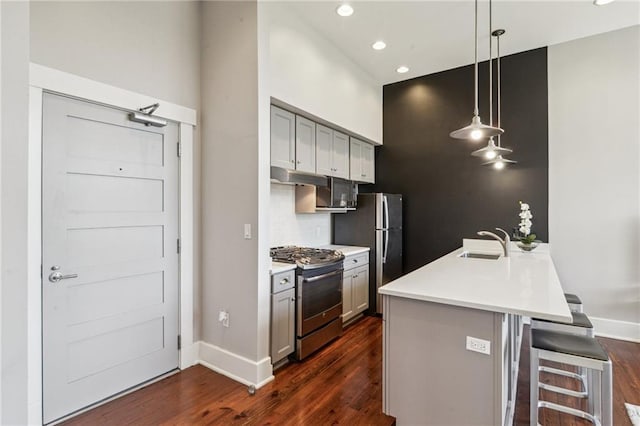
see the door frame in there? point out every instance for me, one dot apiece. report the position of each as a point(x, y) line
point(43, 79)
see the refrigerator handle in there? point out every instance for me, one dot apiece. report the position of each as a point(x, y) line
point(385, 206)
point(385, 245)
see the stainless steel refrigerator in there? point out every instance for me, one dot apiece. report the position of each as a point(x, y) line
point(376, 223)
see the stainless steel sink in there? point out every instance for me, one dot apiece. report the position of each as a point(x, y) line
point(472, 255)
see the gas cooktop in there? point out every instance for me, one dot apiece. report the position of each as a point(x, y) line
point(305, 257)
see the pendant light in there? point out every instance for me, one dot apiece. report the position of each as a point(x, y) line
point(491, 151)
point(498, 160)
point(476, 130)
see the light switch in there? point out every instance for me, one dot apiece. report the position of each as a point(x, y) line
point(247, 231)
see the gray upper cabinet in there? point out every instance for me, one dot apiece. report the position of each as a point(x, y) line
point(362, 161)
point(305, 145)
point(283, 141)
point(298, 143)
point(340, 155)
point(332, 152)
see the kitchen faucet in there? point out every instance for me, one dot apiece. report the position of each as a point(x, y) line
point(505, 243)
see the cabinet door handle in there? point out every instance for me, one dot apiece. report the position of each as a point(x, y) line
point(298, 161)
point(293, 299)
point(284, 281)
point(355, 260)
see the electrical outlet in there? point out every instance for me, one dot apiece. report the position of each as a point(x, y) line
point(478, 345)
point(223, 317)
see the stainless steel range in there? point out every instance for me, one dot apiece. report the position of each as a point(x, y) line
point(318, 295)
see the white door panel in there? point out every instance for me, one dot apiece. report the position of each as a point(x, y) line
point(110, 215)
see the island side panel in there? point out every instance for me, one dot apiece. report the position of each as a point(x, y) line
point(429, 376)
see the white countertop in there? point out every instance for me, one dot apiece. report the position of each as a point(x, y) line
point(277, 267)
point(524, 283)
point(347, 250)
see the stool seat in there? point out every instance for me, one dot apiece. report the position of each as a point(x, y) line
point(572, 298)
point(566, 343)
point(579, 320)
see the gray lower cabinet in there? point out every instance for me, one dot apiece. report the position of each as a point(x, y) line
point(283, 311)
point(355, 286)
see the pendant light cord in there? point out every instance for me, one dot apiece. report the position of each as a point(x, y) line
point(499, 91)
point(476, 112)
point(490, 70)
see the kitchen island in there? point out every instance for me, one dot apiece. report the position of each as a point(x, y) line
point(433, 373)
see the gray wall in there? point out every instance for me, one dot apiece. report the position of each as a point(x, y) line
point(230, 177)
point(594, 172)
point(151, 48)
point(14, 89)
point(147, 47)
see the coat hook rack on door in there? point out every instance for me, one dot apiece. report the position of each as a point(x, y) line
point(144, 116)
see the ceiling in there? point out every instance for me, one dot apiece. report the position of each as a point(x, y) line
point(432, 36)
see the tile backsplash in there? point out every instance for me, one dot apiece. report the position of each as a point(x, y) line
point(287, 227)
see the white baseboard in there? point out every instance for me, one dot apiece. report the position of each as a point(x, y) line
point(615, 329)
point(188, 356)
point(234, 366)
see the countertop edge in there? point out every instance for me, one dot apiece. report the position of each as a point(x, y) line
point(422, 294)
point(479, 306)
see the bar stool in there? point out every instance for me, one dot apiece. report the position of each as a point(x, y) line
point(574, 302)
point(579, 351)
point(580, 325)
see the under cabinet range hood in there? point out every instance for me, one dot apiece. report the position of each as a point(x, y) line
point(293, 177)
point(318, 193)
point(339, 197)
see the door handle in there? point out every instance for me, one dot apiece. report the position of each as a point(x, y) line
point(56, 276)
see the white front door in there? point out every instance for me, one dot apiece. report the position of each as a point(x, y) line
point(109, 216)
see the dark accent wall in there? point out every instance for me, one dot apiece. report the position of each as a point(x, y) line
point(449, 195)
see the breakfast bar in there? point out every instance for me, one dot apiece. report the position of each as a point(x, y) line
point(452, 332)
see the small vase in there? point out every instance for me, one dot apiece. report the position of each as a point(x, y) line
point(527, 247)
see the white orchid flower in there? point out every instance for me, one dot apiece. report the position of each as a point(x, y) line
point(524, 206)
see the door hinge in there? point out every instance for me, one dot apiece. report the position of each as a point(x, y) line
point(178, 245)
point(179, 342)
point(179, 149)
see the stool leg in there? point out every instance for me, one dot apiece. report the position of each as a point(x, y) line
point(590, 406)
point(596, 394)
point(533, 391)
point(607, 395)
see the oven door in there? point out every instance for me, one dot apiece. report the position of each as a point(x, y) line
point(319, 300)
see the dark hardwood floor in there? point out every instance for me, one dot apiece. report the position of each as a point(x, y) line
point(341, 384)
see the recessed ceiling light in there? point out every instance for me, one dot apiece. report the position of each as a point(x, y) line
point(379, 45)
point(601, 2)
point(402, 69)
point(344, 10)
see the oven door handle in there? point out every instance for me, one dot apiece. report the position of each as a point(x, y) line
point(319, 277)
